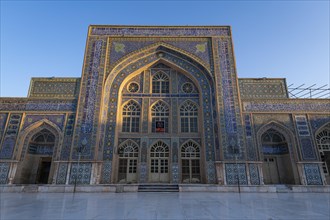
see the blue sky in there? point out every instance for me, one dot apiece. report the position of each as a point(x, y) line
point(280, 39)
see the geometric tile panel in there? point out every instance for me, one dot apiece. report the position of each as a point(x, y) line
point(250, 144)
point(66, 147)
point(306, 144)
point(313, 175)
point(106, 172)
point(175, 173)
point(61, 173)
point(159, 31)
point(286, 106)
point(3, 119)
point(307, 148)
point(302, 126)
point(4, 170)
point(81, 174)
point(254, 174)
point(261, 89)
point(143, 172)
point(11, 134)
point(56, 119)
point(210, 172)
point(38, 105)
point(232, 171)
point(54, 87)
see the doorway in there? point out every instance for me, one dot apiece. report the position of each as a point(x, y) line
point(277, 165)
point(190, 166)
point(159, 163)
point(44, 170)
point(128, 159)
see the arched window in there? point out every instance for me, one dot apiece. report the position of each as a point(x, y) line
point(323, 144)
point(274, 142)
point(159, 149)
point(131, 117)
point(42, 143)
point(190, 154)
point(189, 117)
point(160, 83)
point(128, 149)
point(128, 156)
point(160, 115)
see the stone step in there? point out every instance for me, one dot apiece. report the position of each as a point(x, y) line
point(158, 188)
point(283, 188)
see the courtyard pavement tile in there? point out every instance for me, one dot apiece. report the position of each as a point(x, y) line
point(165, 206)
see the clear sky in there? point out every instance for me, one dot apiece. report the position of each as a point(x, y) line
point(280, 39)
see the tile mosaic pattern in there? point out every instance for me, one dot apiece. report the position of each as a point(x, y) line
point(33, 118)
point(235, 173)
point(161, 31)
point(80, 173)
point(175, 162)
point(143, 172)
point(254, 174)
point(54, 87)
point(250, 143)
point(286, 106)
point(9, 140)
point(200, 48)
point(3, 120)
point(306, 144)
point(61, 173)
point(262, 88)
point(106, 172)
point(143, 161)
point(313, 175)
point(4, 170)
point(301, 125)
point(175, 173)
point(68, 134)
point(23, 104)
point(89, 100)
point(231, 127)
point(318, 121)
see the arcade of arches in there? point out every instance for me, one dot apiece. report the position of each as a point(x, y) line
point(163, 105)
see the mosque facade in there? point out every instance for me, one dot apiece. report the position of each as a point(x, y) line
point(163, 104)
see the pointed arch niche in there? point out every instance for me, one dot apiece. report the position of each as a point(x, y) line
point(39, 145)
point(277, 155)
point(139, 63)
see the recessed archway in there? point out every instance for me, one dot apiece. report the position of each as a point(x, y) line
point(36, 166)
point(38, 146)
point(278, 155)
point(277, 167)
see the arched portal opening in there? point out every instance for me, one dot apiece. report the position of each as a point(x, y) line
point(37, 163)
point(158, 81)
point(323, 145)
point(277, 168)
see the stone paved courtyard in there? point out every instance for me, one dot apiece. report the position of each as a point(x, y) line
point(199, 206)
